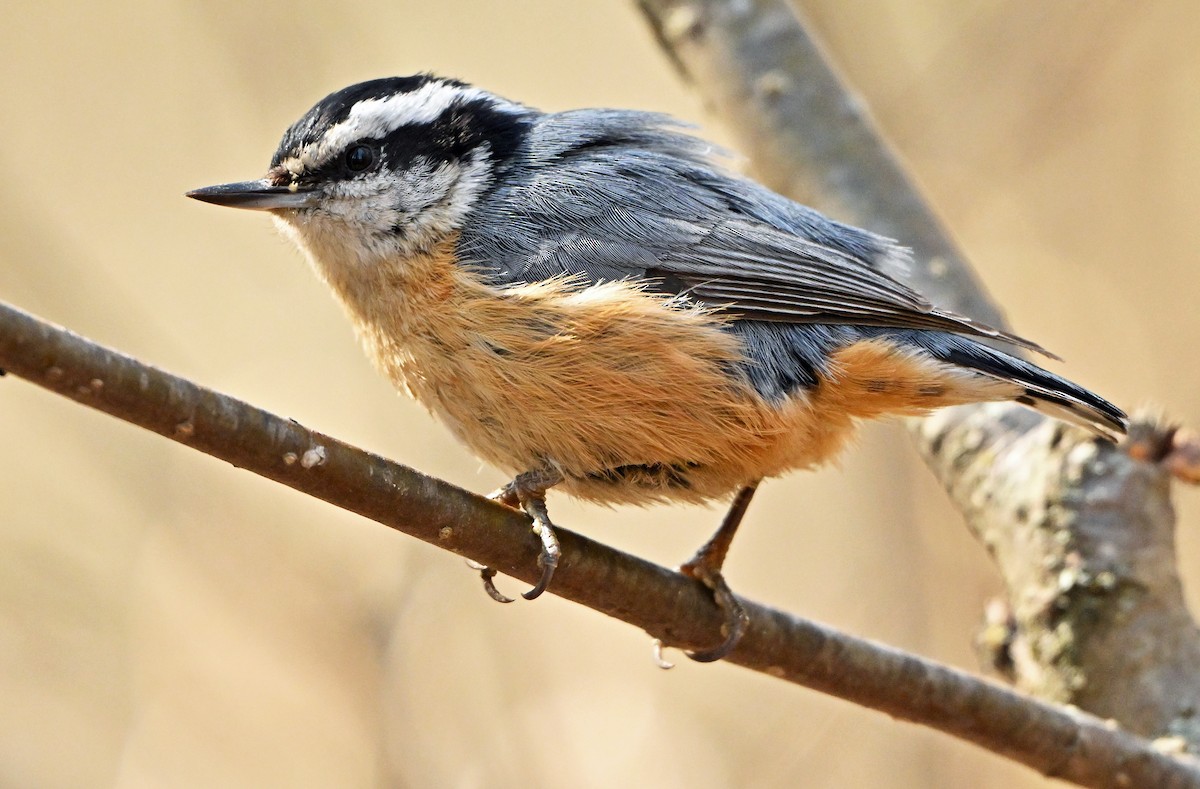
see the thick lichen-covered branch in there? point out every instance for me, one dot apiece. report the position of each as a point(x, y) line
point(1084, 537)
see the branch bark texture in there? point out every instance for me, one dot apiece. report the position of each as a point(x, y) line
point(1053, 740)
point(1084, 537)
point(1082, 533)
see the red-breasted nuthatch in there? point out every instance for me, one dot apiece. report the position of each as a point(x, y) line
point(590, 303)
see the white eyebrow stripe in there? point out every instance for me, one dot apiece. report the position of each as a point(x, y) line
point(374, 118)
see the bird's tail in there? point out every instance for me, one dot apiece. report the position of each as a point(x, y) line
point(1043, 391)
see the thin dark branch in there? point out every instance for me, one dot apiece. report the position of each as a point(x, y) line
point(1055, 503)
point(665, 604)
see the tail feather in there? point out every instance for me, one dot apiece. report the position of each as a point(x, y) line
point(1099, 416)
point(1044, 391)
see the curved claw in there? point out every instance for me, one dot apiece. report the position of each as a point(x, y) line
point(736, 618)
point(550, 548)
point(489, 585)
point(542, 584)
point(659, 660)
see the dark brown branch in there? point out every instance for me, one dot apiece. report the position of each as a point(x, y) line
point(677, 610)
point(1055, 504)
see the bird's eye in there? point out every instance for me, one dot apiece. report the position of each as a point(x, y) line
point(360, 158)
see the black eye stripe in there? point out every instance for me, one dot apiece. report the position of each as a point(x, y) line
point(456, 134)
point(459, 132)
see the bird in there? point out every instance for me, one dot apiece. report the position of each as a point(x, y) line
point(592, 301)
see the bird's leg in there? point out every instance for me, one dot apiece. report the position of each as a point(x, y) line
point(705, 567)
point(528, 491)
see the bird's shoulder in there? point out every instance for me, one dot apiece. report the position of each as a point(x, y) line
point(600, 195)
point(588, 185)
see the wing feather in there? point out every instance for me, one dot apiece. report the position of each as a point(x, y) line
point(663, 214)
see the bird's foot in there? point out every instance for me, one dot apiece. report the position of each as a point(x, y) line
point(543, 528)
point(528, 491)
point(736, 618)
point(489, 583)
point(705, 567)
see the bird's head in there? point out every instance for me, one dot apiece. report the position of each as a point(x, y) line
point(384, 168)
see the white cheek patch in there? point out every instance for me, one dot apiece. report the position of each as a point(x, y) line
point(392, 214)
point(443, 195)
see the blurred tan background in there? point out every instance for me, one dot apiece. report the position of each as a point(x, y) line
point(167, 620)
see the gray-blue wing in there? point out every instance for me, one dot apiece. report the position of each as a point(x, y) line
point(606, 195)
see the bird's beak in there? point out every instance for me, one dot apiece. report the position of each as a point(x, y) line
point(261, 195)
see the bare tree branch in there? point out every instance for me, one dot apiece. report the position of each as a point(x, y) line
point(1082, 533)
point(1053, 740)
